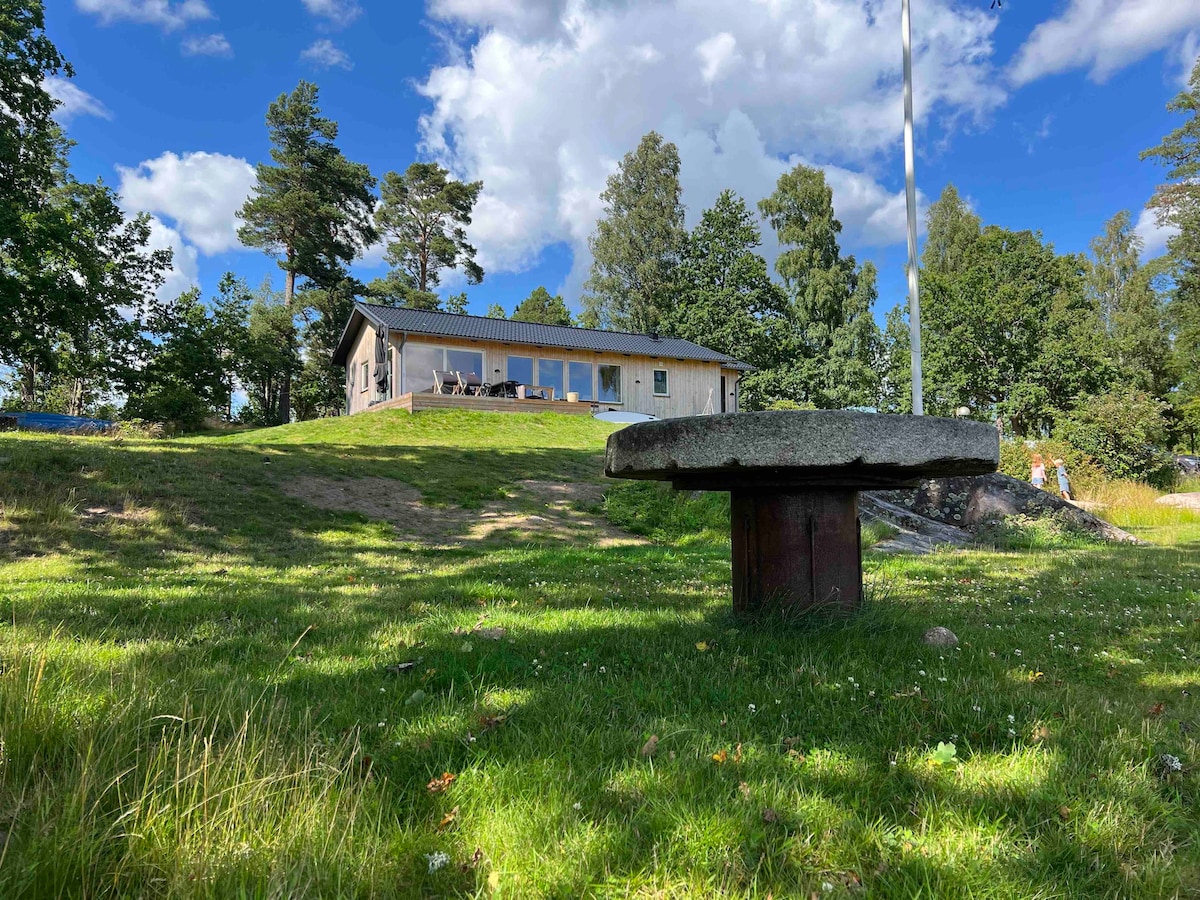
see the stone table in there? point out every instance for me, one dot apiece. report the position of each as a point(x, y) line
point(794, 477)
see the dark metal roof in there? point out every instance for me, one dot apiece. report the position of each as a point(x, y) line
point(479, 328)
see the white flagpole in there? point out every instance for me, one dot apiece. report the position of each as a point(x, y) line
point(910, 190)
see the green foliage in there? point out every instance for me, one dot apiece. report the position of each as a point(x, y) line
point(1016, 459)
point(423, 215)
point(169, 403)
point(638, 242)
point(725, 299)
point(1122, 431)
point(311, 209)
point(1012, 332)
point(785, 403)
point(320, 388)
point(457, 304)
point(944, 755)
point(496, 311)
point(895, 364)
point(951, 230)
point(832, 358)
point(269, 357)
point(541, 307)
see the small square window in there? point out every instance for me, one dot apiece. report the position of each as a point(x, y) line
point(660, 383)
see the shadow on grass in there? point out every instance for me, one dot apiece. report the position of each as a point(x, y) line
point(233, 591)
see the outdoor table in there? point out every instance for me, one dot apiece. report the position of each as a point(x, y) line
point(794, 478)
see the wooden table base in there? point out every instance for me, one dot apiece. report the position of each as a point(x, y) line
point(795, 549)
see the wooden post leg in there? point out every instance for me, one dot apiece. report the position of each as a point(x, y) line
point(795, 549)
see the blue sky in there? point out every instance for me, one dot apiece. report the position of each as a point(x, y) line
point(1036, 111)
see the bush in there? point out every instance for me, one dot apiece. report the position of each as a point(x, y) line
point(1016, 459)
point(169, 403)
point(789, 404)
point(1123, 432)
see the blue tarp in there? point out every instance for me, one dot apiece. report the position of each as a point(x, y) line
point(35, 421)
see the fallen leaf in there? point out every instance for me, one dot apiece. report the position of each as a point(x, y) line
point(737, 753)
point(791, 742)
point(447, 819)
point(720, 756)
point(1041, 733)
point(429, 673)
point(1064, 812)
point(650, 747)
point(487, 723)
point(400, 668)
point(701, 646)
point(1034, 676)
point(745, 789)
point(770, 816)
point(1156, 709)
point(438, 785)
point(492, 634)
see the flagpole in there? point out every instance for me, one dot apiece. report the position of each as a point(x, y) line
point(910, 191)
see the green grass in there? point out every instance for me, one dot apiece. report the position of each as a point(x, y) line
point(195, 701)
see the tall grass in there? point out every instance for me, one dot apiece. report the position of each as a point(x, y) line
point(1134, 505)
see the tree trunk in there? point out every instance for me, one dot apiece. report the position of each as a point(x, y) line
point(75, 398)
point(29, 385)
point(285, 387)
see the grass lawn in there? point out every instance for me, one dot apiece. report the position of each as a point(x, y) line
point(196, 700)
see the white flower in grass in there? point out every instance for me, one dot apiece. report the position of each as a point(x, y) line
point(382, 724)
point(1011, 733)
point(437, 860)
point(753, 709)
point(577, 806)
point(1016, 653)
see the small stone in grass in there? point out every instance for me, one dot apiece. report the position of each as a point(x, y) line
point(939, 636)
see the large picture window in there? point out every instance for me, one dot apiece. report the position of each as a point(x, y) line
point(579, 379)
point(520, 369)
point(420, 361)
point(469, 362)
point(550, 374)
point(609, 378)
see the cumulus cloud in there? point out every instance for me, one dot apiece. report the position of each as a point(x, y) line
point(207, 45)
point(1154, 236)
point(199, 193)
point(541, 100)
point(334, 12)
point(163, 13)
point(184, 272)
point(73, 101)
point(1189, 55)
point(324, 54)
point(1102, 36)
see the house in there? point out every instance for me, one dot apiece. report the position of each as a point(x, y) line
point(390, 356)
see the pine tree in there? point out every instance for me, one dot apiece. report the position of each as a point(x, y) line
point(541, 306)
point(311, 209)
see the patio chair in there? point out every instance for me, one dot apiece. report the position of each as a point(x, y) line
point(445, 382)
point(469, 384)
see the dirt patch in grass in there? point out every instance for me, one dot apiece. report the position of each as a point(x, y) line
point(535, 512)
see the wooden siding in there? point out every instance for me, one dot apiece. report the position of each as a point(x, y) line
point(690, 382)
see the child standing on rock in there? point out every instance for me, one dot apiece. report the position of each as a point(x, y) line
point(1037, 472)
point(1064, 483)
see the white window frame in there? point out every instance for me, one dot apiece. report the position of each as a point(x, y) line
point(654, 383)
point(366, 377)
point(599, 382)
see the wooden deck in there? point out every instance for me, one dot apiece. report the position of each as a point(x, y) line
point(422, 401)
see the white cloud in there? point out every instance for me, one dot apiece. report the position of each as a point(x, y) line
point(164, 13)
point(717, 54)
point(184, 272)
point(1102, 36)
point(542, 99)
point(325, 55)
point(1189, 55)
point(73, 101)
point(207, 45)
point(199, 193)
point(1153, 235)
point(335, 12)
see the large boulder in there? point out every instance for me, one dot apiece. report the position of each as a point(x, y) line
point(969, 503)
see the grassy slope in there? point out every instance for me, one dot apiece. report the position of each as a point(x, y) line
point(194, 702)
